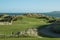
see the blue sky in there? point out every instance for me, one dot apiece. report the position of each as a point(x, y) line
point(29, 5)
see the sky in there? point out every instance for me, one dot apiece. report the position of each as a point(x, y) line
point(18, 6)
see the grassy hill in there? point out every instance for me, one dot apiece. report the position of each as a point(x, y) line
point(53, 13)
point(24, 22)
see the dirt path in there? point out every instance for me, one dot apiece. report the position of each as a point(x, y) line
point(47, 31)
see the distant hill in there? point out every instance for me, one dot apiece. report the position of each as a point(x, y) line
point(54, 13)
point(12, 13)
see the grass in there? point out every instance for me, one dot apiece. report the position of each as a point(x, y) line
point(21, 25)
point(31, 39)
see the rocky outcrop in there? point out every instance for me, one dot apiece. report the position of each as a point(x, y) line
point(31, 32)
point(5, 23)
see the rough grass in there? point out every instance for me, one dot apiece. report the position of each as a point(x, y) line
point(21, 25)
point(31, 39)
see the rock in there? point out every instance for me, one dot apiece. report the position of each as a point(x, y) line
point(29, 32)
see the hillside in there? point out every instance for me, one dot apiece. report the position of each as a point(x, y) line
point(54, 13)
point(25, 26)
